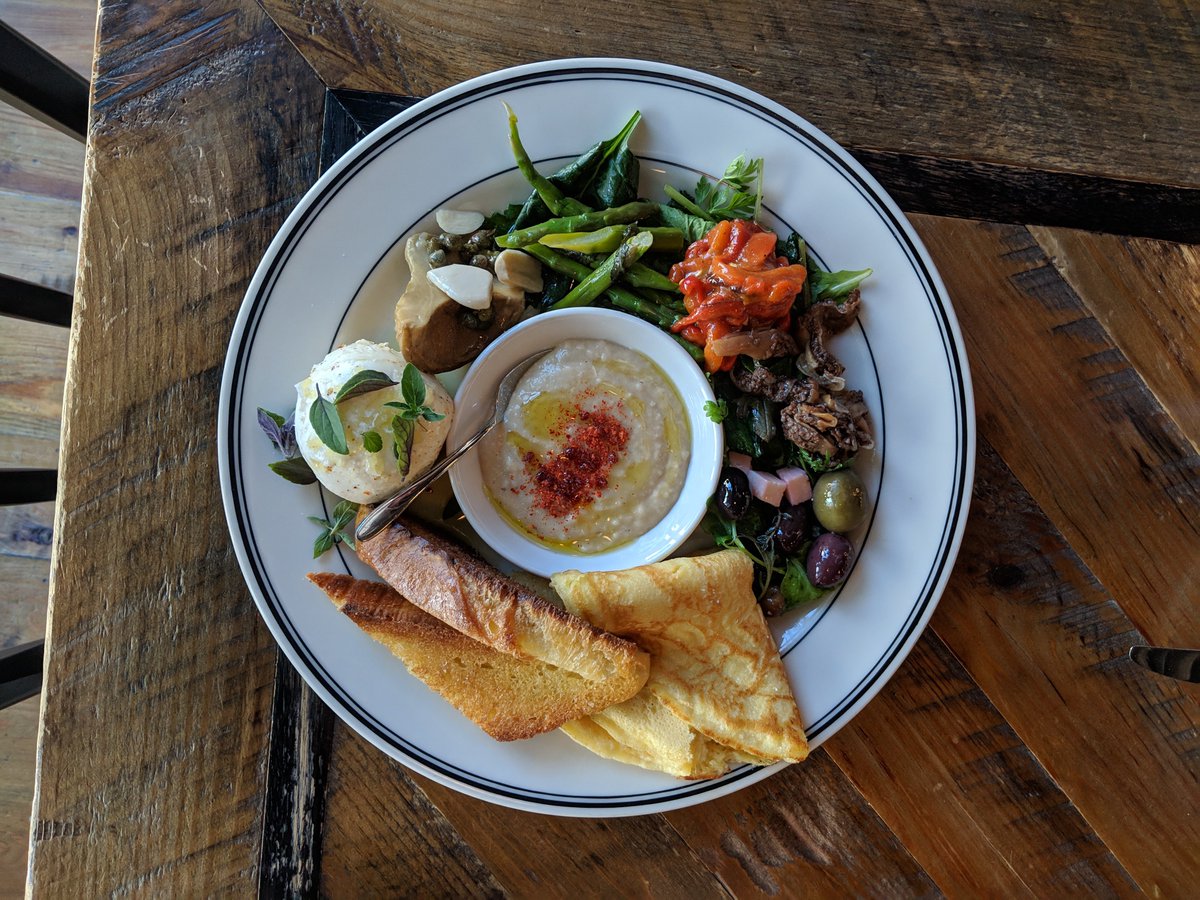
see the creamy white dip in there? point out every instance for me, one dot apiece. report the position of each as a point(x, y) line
point(593, 449)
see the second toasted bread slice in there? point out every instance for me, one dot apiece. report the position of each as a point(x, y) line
point(449, 582)
point(508, 697)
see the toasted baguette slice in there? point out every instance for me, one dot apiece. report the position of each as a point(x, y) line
point(449, 582)
point(508, 697)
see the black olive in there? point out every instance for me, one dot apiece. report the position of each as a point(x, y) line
point(791, 527)
point(773, 603)
point(829, 560)
point(733, 493)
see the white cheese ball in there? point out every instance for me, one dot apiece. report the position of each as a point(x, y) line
point(362, 476)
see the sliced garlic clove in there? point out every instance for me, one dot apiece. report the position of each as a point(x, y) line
point(469, 285)
point(458, 221)
point(519, 270)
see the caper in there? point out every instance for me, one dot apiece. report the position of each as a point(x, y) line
point(481, 260)
point(840, 500)
point(437, 259)
point(479, 241)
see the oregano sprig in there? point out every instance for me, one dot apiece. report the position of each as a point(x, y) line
point(339, 529)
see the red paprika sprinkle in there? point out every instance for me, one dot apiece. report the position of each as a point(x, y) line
point(564, 482)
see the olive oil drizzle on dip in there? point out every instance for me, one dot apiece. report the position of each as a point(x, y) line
point(592, 451)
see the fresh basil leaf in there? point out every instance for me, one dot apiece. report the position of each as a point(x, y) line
point(324, 543)
point(412, 386)
point(430, 415)
point(372, 442)
point(345, 511)
point(294, 469)
point(363, 383)
point(323, 416)
point(403, 430)
point(693, 227)
point(279, 431)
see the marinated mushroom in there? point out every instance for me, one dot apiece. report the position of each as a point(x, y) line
point(437, 334)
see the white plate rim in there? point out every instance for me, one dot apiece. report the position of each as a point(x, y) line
point(772, 113)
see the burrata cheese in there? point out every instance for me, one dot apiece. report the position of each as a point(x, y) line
point(360, 475)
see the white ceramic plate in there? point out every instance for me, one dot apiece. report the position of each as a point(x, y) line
point(332, 274)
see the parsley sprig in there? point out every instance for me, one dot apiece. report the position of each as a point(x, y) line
point(736, 195)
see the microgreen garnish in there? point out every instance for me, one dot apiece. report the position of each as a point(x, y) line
point(412, 408)
point(716, 410)
point(282, 434)
point(372, 442)
point(344, 515)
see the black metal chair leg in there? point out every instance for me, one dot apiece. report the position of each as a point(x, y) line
point(20, 672)
point(26, 300)
point(27, 486)
point(37, 83)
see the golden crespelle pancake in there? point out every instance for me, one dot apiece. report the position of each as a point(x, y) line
point(717, 694)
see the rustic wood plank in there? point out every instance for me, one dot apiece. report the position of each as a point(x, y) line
point(31, 392)
point(805, 829)
point(1146, 295)
point(18, 750)
point(39, 238)
point(970, 801)
point(1047, 643)
point(1073, 420)
point(547, 856)
point(151, 629)
point(384, 838)
point(1072, 88)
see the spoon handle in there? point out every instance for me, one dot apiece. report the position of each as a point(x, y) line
point(389, 510)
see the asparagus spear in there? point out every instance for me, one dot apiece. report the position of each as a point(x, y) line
point(605, 240)
point(589, 221)
point(607, 272)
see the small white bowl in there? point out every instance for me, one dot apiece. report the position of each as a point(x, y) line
point(473, 403)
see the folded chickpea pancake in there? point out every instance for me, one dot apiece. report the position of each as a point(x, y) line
point(510, 698)
point(713, 665)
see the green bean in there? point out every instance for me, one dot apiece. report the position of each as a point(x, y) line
point(616, 215)
point(558, 202)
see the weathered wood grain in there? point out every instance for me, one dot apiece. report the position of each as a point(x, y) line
point(39, 237)
point(806, 830)
point(968, 799)
point(1070, 416)
point(31, 390)
point(152, 633)
point(385, 839)
point(1047, 643)
point(1070, 87)
point(18, 749)
point(1146, 295)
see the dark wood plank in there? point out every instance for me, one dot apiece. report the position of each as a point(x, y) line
point(1076, 424)
point(385, 839)
point(153, 636)
point(804, 830)
point(1048, 645)
point(1069, 88)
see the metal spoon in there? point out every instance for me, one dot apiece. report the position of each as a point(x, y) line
point(389, 510)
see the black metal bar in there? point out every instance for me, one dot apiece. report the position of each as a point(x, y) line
point(35, 302)
point(27, 486)
point(20, 672)
point(34, 81)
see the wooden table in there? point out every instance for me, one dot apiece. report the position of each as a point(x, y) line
point(1048, 157)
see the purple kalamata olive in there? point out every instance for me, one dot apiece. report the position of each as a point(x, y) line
point(733, 493)
point(829, 560)
point(791, 526)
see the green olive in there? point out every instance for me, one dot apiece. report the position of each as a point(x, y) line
point(840, 500)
